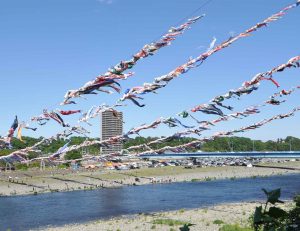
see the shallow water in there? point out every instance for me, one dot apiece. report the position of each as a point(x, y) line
point(28, 212)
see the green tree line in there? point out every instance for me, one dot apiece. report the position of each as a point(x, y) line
point(222, 144)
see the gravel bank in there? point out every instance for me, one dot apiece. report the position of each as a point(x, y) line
point(36, 181)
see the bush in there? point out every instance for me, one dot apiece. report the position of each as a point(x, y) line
point(293, 216)
point(73, 155)
point(32, 155)
point(186, 227)
point(273, 218)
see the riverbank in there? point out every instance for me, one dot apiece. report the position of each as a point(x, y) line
point(59, 180)
point(208, 219)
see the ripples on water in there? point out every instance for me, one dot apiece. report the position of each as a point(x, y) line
point(27, 212)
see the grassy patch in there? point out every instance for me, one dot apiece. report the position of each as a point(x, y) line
point(234, 228)
point(218, 222)
point(208, 179)
point(62, 166)
point(22, 167)
point(169, 222)
point(181, 210)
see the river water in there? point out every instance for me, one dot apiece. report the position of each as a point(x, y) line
point(29, 212)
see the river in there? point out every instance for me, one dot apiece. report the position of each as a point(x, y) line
point(30, 212)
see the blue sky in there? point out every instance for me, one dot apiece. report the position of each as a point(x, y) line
point(49, 47)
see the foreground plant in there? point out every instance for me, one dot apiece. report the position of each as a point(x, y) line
point(272, 218)
point(186, 227)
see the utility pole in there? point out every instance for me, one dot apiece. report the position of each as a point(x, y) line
point(253, 149)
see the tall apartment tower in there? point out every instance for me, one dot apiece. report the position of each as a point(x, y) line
point(111, 125)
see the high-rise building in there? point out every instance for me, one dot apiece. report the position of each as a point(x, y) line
point(111, 125)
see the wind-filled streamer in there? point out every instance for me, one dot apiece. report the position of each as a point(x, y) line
point(115, 73)
point(109, 82)
point(134, 93)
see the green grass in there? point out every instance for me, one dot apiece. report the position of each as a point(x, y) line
point(218, 222)
point(169, 222)
point(234, 228)
point(181, 210)
point(62, 166)
point(22, 167)
point(208, 179)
